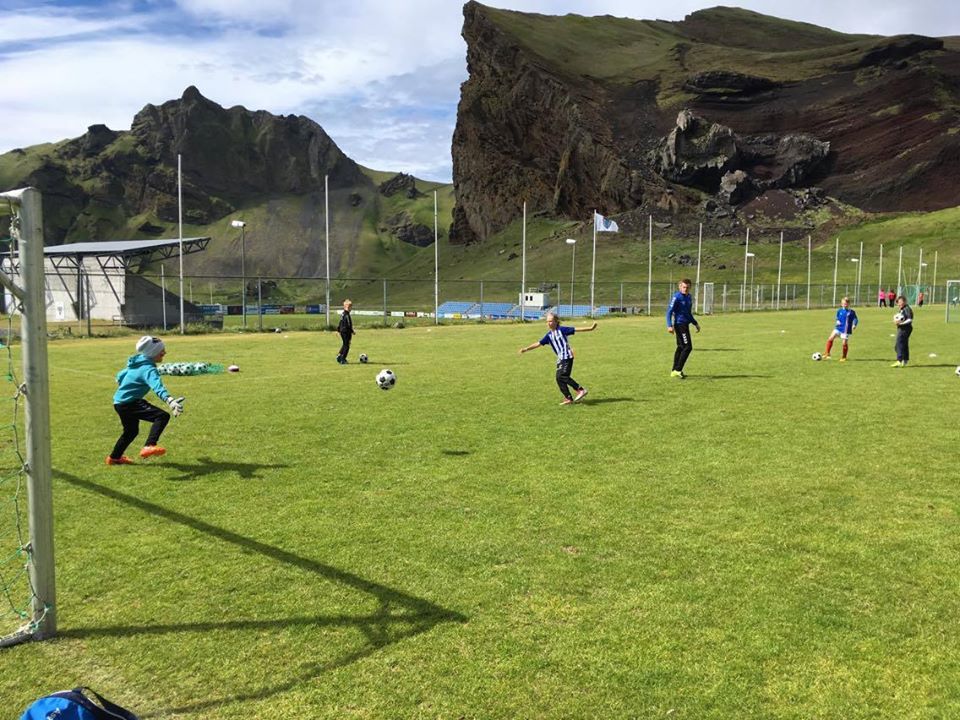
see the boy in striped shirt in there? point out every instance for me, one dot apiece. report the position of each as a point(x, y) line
point(556, 337)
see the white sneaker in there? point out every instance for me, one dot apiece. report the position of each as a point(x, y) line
point(581, 394)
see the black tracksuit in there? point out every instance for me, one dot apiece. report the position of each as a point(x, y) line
point(345, 328)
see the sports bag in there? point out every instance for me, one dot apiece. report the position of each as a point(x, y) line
point(74, 705)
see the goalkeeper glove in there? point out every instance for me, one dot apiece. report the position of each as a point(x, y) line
point(176, 405)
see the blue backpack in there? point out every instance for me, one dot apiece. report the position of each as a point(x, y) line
point(74, 705)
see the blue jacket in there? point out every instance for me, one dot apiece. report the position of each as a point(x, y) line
point(680, 310)
point(139, 377)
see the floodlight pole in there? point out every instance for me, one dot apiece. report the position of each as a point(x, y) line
point(243, 267)
point(697, 285)
point(743, 287)
point(436, 264)
point(900, 273)
point(836, 262)
point(933, 287)
point(183, 326)
point(573, 266)
point(326, 219)
point(523, 265)
point(809, 266)
point(779, 269)
point(649, 261)
point(859, 271)
point(880, 277)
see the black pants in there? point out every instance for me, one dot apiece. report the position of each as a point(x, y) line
point(903, 342)
point(564, 381)
point(130, 416)
point(684, 345)
point(345, 346)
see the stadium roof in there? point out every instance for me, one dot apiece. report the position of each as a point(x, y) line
point(114, 253)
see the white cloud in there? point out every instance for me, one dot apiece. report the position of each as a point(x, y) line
point(381, 78)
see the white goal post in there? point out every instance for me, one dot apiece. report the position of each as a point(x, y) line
point(706, 306)
point(953, 301)
point(25, 263)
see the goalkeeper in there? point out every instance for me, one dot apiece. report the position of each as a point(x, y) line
point(139, 377)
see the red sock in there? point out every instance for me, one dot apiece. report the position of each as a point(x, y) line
point(844, 351)
point(829, 345)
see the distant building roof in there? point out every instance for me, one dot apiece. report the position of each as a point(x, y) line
point(127, 248)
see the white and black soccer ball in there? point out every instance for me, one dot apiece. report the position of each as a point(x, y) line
point(816, 356)
point(386, 379)
point(364, 358)
point(898, 317)
point(958, 371)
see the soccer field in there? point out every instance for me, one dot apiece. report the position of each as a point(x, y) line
point(772, 537)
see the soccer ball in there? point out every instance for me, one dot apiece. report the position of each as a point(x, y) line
point(386, 379)
point(363, 358)
point(233, 368)
point(898, 317)
point(958, 370)
point(816, 356)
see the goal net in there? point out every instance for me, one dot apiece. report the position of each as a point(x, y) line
point(953, 300)
point(706, 306)
point(26, 514)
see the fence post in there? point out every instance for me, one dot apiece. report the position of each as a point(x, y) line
point(259, 304)
point(723, 307)
point(481, 299)
point(385, 316)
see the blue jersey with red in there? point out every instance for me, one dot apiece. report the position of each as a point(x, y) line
point(557, 339)
point(846, 320)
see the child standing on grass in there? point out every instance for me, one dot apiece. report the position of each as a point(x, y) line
point(345, 328)
point(556, 336)
point(904, 322)
point(139, 377)
point(846, 323)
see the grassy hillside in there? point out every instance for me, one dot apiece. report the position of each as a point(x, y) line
point(720, 38)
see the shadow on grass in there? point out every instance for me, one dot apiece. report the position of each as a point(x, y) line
point(397, 617)
point(604, 401)
point(725, 377)
point(209, 466)
point(455, 453)
point(700, 349)
point(926, 365)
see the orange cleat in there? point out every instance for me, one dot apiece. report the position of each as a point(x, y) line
point(123, 460)
point(152, 451)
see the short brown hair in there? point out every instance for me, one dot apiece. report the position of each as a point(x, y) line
point(687, 281)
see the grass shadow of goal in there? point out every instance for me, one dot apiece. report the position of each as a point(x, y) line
point(398, 615)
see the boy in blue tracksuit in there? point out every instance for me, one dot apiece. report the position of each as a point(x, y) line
point(679, 319)
point(556, 338)
point(844, 327)
point(139, 377)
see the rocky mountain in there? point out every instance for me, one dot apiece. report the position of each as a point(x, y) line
point(692, 119)
point(270, 169)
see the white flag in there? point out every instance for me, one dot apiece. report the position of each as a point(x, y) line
point(602, 224)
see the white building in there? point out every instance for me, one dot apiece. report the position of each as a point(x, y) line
point(102, 281)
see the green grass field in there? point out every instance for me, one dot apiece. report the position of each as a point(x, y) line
point(770, 538)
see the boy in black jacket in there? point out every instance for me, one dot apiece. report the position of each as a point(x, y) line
point(345, 328)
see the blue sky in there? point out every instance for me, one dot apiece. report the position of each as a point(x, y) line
point(382, 78)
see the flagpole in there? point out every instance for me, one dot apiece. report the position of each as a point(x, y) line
point(900, 273)
point(593, 271)
point(836, 260)
point(649, 260)
point(523, 266)
point(880, 276)
point(743, 287)
point(779, 269)
point(436, 265)
point(326, 220)
point(183, 327)
point(697, 286)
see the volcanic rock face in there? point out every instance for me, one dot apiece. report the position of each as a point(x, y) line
point(709, 156)
point(573, 114)
point(523, 134)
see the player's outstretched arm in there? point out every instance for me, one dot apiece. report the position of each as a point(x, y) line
point(587, 329)
point(531, 346)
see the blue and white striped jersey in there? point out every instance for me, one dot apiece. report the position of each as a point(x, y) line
point(557, 339)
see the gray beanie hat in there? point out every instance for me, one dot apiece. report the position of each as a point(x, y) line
point(150, 346)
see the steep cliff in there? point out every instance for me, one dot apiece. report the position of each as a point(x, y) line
point(573, 114)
